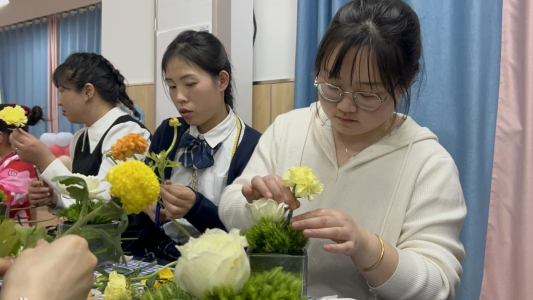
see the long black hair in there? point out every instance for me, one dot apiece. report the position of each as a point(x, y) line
point(391, 31)
point(82, 68)
point(204, 50)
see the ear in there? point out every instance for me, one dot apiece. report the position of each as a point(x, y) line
point(88, 91)
point(223, 80)
point(2, 136)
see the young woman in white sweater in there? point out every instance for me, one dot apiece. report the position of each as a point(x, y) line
point(387, 224)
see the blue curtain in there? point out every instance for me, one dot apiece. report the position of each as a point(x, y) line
point(24, 66)
point(79, 31)
point(458, 100)
point(313, 20)
point(462, 46)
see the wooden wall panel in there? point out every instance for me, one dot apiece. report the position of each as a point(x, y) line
point(261, 107)
point(282, 99)
point(269, 101)
point(143, 95)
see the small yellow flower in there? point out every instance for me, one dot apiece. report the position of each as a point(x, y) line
point(128, 146)
point(135, 184)
point(303, 182)
point(174, 122)
point(14, 116)
point(163, 276)
point(117, 287)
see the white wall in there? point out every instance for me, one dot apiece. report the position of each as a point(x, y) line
point(275, 43)
point(174, 16)
point(22, 10)
point(242, 31)
point(128, 38)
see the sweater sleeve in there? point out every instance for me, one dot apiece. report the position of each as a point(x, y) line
point(429, 248)
point(204, 214)
point(231, 209)
point(57, 168)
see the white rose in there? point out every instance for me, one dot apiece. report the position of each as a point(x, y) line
point(266, 208)
point(93, 184)
point(215, 259)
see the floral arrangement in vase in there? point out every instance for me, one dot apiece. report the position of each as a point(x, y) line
point(272, 240)
point(134, 186)
point(212, 266)
point(98, 217)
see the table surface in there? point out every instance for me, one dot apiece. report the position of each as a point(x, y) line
point(132, 264)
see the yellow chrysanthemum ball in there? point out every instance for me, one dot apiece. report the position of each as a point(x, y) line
point(303, 181)
point(135, 184)
point(14, 116)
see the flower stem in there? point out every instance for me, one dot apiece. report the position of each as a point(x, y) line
point(39, 221)
point(180, 227)
point(289, 216)
point(114, 161)
point(153, 274)
point(82, 221)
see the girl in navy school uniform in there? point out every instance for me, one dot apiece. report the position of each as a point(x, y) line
point(91, 92)
point(214, 144)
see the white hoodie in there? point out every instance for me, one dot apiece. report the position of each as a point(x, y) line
point(404, 188)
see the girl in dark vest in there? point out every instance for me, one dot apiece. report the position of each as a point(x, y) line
point(214, 144)
point(91, 92)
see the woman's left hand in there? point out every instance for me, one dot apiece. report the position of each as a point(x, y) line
point(178, 200)
point(335, 225)
point(30, 149)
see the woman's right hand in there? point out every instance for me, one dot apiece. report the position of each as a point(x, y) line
point(61, 270)
point(39, 194)
point(272, 187)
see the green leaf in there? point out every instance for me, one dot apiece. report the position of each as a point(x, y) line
point(72, 183)
point(29, 236)
point(3, 197)
point(121, 270)
point(9, 238)
point(151, 282)
point(102, 271)
point(114, 250)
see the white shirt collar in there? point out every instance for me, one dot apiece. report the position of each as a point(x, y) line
point(220, 132)
point(98, 129)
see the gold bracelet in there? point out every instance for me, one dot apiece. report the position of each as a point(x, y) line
point(379, 259)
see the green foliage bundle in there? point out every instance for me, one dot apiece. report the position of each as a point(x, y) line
point(72, 213)
point(269, 236)
point(273, 285)
point(167, 290)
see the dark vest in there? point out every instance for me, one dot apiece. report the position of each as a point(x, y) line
point(87, 163)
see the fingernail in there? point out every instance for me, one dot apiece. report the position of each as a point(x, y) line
point(269, 195)
point(40, 242)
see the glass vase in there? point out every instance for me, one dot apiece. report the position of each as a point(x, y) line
point(104, 251)
point(295, 264)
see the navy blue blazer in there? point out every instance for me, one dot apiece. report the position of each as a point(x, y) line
point(204, 213)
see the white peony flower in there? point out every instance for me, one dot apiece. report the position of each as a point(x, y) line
point(93, 184)
point(266, 209)
point(215, 259)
